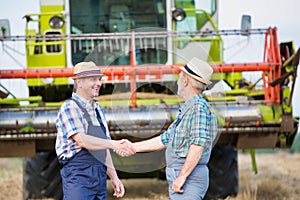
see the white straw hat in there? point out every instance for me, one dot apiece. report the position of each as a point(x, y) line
point(199, 70)
point(86, 69)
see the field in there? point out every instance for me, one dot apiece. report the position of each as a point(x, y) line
point(278, 178)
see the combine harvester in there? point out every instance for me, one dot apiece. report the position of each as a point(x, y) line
point(139, 47)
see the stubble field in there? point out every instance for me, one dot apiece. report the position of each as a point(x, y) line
point(278, 178)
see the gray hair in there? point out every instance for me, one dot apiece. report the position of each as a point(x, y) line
point(75, 86)
point(197, 85)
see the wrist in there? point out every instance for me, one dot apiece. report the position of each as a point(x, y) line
point(113, 176)
point(113, 145)
point(182, 176)
point(136, 147)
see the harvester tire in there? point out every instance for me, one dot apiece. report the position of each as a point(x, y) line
point(223, 173)
point(42, 177)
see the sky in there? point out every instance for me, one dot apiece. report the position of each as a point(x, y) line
point(265, 13)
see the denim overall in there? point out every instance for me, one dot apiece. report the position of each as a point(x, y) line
point(84, 175)
point(197, 182)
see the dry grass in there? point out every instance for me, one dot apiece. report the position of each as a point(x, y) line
point(11, 178)
point(278, 178)
point(142, 189)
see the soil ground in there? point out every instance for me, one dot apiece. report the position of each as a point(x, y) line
point(278, 178)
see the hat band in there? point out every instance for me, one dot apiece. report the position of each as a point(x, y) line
point(88, 73)
point(190, 71)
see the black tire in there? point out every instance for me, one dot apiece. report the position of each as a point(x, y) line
point(42, 177)
point(223, 173)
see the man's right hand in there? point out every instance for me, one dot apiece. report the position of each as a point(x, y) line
point(123, 148)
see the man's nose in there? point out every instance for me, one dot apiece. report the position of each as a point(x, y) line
point(99, 82)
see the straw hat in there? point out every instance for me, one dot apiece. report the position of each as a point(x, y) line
point(199, 70)
point(86, 69)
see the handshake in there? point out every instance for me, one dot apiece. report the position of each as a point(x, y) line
point(124, 148)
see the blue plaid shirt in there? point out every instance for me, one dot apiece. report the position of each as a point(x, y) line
point(70, 120)
point(198, 125)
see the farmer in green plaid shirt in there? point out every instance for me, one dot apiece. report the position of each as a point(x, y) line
point(190, 138)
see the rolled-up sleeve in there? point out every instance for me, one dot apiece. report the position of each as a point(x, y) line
point(200, 126)
point(72, 119)
point(165, 137)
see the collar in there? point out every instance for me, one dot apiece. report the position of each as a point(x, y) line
point(189, 103)
point(85, 103)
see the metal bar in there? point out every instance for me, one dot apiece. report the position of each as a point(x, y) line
point(29, 109)
point(254, 130)
point(96, 36)
point(46, 134)
point(6, 90)
point(128, 70)
point(254, 165)
point(133, 65)
point(272, 54)
point(277, 70)
point(28, 136)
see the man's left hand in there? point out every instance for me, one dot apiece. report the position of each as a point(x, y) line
point(119, 189)
point(178, 183)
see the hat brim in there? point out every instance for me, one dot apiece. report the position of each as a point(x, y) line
point(196, 77)
point(85, 76)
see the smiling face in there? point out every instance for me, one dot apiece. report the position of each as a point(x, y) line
point(89, 87)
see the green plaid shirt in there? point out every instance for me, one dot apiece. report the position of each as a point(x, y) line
point(198, 125)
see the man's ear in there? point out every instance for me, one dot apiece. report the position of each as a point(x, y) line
point(79, 82)
point(186, 80)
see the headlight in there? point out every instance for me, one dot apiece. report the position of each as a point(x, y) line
point(178, 14)
point(56, 22)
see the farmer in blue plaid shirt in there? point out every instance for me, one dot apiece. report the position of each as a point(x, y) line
point(83, 140)
point(190, 138)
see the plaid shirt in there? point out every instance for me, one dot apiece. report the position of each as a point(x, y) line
point(70, 120)
point(198, 125)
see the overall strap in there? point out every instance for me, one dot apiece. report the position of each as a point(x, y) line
point(86, 114)
point(100, 120)
point(176, 122)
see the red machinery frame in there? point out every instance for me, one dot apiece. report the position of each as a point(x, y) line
point(271, 68)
